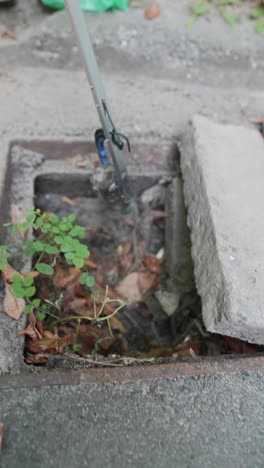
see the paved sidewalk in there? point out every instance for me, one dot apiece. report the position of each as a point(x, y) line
point(184, 422)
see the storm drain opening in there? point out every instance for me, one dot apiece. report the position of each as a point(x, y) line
point(141, 263)
point(129, 257)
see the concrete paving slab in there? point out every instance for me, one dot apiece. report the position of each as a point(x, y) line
point(184, 422)
point(223, 167)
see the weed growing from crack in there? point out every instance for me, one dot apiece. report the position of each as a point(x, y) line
point(58, 237)
point(204, 7)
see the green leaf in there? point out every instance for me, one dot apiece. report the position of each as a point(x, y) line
point(28, 281)
point(78, 262)
point(55, 230)
point(260, 26)
point(51, 249)
point(31, 218)
point(29, 292)
point(54, 219)
point(44, 269)
point(18, 290)
point(39, 246)
point(36, 302)
point(77, 231)
point(200, 9)
point(71, 218)
point(82, 251)
point(68, 245)
point(28, 309)
point(15, 229)
point(87, 280)
point(229, 19)
point(256, 13)
point(25, 226)
point(90, 282)
point(17, 279)
point(228, 2)
point(29, 248)
point(76, 347)
point(41, 315)
point(46, 228)
point(65, 227)
point(44, 307)
point(58, 239)
point(69, 255)
point(39, 222)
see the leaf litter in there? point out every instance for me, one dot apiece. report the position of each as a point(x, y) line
point(122, 260)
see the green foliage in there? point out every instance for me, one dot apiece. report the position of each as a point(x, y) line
point(44, 268)
point(229, 19)
point(23, 287)
point(203, 7)
point(57, 236)
point(87, 280)
point(257, 13)
point(260, 26)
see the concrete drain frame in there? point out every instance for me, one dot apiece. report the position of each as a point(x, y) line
point(146, 162)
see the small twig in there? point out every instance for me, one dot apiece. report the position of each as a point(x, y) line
point(118, 362)
point(86, 317)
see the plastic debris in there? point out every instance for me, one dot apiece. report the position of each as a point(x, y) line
point(90, 5)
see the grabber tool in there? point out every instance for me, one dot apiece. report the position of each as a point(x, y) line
point(109, 142)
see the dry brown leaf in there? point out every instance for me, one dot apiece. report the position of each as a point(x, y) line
point(151, 262)
point(90, 264)
point(54, 345)
point(65, 276)
point(152, 10)
point(2, 431)
point(13, 306)
point(33, 329)
point(117, 325)
point(68, 201)
point(79, 306)
point(29, 331)
point(127, 262)
point(31, 274)
point(135, 285)
point(9, 272)
point(35, 359)
point(8, 34)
